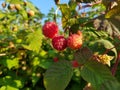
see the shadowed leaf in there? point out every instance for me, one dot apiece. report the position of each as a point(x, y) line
point(58, 76)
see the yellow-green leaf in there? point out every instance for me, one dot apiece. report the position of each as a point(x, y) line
point(34, 41)
point(66, 13)
point(113, 12)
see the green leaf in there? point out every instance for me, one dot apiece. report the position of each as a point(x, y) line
point(34, 41)
point(82, 55)
point(2, 14)
point(65, 14)
point(102, 45)
point(58, 76)
point(9, 82)
point(3, 88)
point(72, 5)
point(110, 85)
point(15, 1)
point(34, 79)
point(24, 14)
point(13, 63)
point(10, 63)
point(114, 11)
point(98, 75)
point(7, 87)
point(45, 63)
point(42, 62)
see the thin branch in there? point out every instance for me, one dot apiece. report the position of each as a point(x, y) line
point(89, 4)
point(114, 68)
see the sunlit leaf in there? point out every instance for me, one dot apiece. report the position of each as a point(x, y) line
point(113, 12)
point(34, 41)
point(2, 14)
point(24, 14)
point(11, 82)
point(35, 78)
point(15, 1)
point(65, 14)
point(11, 63)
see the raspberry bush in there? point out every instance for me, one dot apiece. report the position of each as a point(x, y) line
point(80, 52)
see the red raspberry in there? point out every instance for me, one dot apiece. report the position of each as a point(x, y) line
point(75, 63)
point(55, 59)
point(59, 43)
point(50, 29)
point(74, 41)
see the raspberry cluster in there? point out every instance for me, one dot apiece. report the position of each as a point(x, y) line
point(59, 42)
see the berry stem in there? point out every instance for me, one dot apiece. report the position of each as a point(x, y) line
point(114, 68)
point(107, 50)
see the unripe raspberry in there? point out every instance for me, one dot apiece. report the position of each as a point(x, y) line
point(17, 6)
point(59, 43)
point(75, 64)
point(25, 3)
point(50, 29)
point(3, 4)
point(74, 41)
point(31, 13)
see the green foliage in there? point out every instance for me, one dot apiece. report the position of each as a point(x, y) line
point(98, 74)
point(65, 14)
point(10, 63)
point(9, 83)
point(33, 39)
point(83, 55)
point(27, 57)
point(103, 45)
point(115, 9)
point(15, 1)
point(60, 74)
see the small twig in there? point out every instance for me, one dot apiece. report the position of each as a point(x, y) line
point(114, 68)
point(89, 4)
point(107, 50)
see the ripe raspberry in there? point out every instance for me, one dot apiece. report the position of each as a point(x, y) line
point(50, 29)
point(59, 43)
point(75, 63)
point(55, 59)
point(74, 41)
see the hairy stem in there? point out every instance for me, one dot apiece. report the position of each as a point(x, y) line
point(114, 68)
